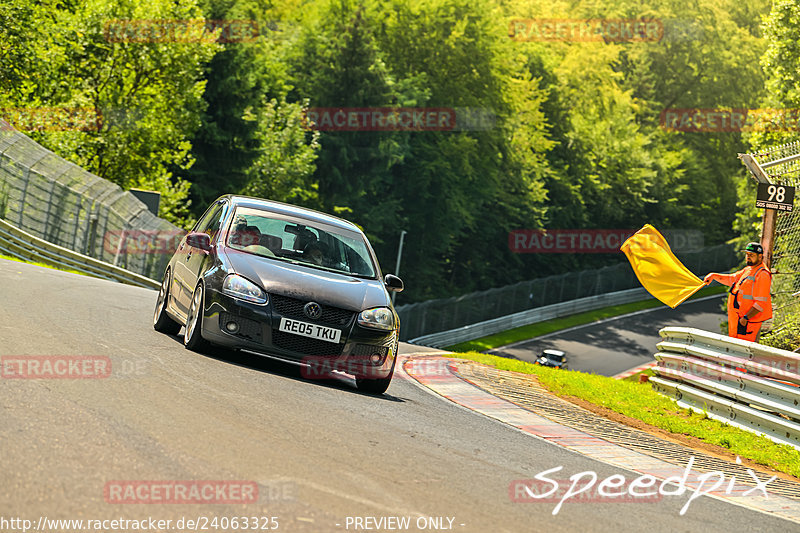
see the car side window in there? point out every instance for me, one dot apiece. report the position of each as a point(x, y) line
point(204, 220)
point(211, 223)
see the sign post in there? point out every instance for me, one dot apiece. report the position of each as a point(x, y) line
point(773, 196)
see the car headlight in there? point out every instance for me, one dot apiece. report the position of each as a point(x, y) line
point(244, 289)
point(379, 318)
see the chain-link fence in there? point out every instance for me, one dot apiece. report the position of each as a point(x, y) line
point(784, 170)
point(64, 204)
point(433, 316)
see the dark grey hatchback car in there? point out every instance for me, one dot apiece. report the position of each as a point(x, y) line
point(287, 282)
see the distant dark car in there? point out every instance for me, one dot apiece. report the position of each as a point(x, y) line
point(552, 358)
point(286, 282)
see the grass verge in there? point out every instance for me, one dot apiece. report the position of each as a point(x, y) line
point(542, 328)
point(639, 401)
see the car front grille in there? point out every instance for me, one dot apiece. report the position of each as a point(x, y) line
point(305, 345)
point(293, 308)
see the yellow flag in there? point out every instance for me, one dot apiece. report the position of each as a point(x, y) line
point(658, 270)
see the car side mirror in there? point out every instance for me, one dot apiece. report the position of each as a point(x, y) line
point(393, 283)
point(199, 240)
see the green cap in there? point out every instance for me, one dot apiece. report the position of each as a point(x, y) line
point(754, 247)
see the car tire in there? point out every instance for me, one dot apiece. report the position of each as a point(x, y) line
point(376, 386)
point(161, 320)
point(192, 337)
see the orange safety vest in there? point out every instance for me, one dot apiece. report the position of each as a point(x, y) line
point(750, 286)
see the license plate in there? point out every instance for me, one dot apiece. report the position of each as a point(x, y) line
point(310, 330)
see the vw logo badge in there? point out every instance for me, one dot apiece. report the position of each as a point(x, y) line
point(312, 310)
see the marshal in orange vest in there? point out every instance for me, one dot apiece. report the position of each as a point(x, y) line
point(749, 301)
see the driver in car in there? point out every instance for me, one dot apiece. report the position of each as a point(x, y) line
point(313, 253)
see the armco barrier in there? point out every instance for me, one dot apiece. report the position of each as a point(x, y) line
point(742, 383)
point(23, 245)
point(425, 318)
point(57, 201)
point(531, 316)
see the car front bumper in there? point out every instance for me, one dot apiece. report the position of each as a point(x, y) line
point(258, 331)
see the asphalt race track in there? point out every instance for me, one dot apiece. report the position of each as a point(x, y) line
point(612, 346)
point(320, 453)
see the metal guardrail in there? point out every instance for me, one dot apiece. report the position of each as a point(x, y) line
point(742, 383)
point(531, 316)
point(433, 316)
point(56, 200)
point(21, 244)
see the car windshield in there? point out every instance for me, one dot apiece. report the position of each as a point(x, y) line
point(300, 241)
point(555, 357)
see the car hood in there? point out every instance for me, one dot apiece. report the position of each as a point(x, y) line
point(307, 283)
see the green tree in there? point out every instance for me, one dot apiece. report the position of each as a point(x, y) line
point(780, 63)
point(462, 191)
point(242, 78)
point(284, 166)
point(146, 89)
point(615, 164)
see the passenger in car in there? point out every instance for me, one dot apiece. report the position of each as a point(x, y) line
point(243, 234)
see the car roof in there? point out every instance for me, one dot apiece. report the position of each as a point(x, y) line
point(292, 210)
point(553, 352)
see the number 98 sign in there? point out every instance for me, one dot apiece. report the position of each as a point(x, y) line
point(772, 196)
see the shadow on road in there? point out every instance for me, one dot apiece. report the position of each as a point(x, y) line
point(613, 346)
point(263, 363)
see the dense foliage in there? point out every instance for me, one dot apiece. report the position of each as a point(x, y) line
point(575, 139)
point(780, 61)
